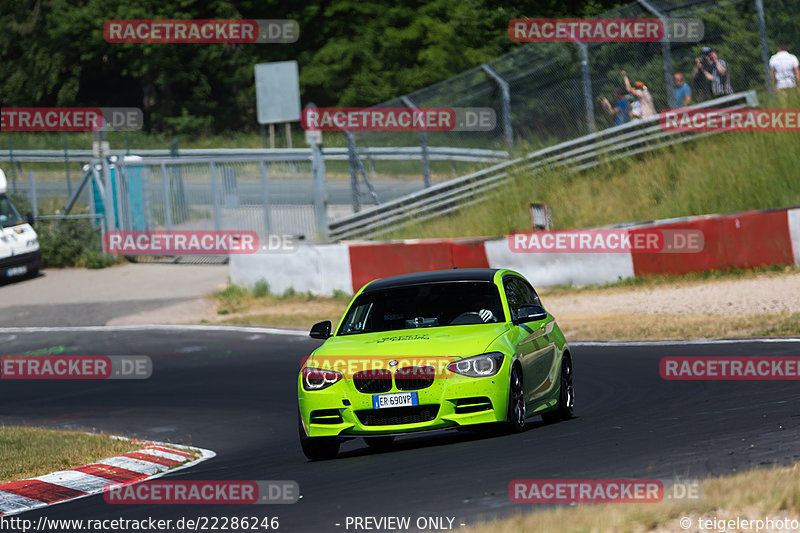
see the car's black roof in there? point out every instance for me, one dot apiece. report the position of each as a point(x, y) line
point(435, 276)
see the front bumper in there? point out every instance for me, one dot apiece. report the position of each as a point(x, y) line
point(342, 410)
point(31, 261)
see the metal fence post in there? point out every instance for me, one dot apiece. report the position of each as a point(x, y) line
point(588, 102)
point(352, 156)
point(423, 144)
point(87, 177)
point(762, 33)
point(320, 193)
point(505, 92)
point(666, 51)
point(108, 199)
point(103, 236)
point(149, 223)
point(32, 182)
point(167, 206)
point(265, 196)
point(11, 164)
point(123, 213)
point(215, 195)
point(66, 163)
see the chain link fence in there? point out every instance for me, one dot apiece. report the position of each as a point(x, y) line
point(542, 94)
point(554, 89)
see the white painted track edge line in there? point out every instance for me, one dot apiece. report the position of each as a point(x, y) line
point(303, 333)
point(687, 342)
point(163, 327)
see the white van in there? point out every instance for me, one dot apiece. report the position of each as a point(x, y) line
point(20, 254)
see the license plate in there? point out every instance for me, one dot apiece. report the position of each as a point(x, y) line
point(16, 271)
point(395, 399)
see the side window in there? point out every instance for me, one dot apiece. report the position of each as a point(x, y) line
point(519, 293)
point(530, 295)
point(357, 319)
point(515, 296)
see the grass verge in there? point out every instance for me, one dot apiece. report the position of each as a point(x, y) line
point(755, 494)
point(724, 173)
point(28, 451)
point(259, 306)
point(667, 280)
point(667, 326)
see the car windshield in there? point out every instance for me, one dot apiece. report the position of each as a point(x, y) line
point(9, 216)
point(424, 306)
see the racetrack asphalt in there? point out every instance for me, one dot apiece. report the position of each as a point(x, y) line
point(233, 391)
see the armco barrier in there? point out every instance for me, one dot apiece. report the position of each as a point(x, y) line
point(742, 240)
point(578, 154)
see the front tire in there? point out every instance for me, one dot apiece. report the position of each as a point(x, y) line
point(566, 395)
point(317, 448)
point(515, 418)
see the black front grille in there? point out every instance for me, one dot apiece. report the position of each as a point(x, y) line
point(398, 415)
point(326, 416)
point(373, 381)
point(414, 377)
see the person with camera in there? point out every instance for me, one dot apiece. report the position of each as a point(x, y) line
point(714, 71)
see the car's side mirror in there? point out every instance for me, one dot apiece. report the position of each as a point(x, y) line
point(321, 330)
point(29, 218)
point(530, 313)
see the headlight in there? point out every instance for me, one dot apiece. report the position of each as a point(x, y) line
point(318, 378)
point(479, 366)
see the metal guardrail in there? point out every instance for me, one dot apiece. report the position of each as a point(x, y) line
point(472, 155)
point(578, 154)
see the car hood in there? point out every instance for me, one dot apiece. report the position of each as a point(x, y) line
point(16, 240)
point(454, 341)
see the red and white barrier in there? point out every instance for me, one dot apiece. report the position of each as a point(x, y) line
point(153, 460)
point(742, 240)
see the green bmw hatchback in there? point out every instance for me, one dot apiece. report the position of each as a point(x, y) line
point(429, 351)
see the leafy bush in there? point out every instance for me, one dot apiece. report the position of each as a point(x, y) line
point(72, 243)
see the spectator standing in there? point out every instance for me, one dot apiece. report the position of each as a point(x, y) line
point(720, 76)
point(715, 71)
point(683, 94)
point(636, 108)
point(785, 68)
point(642, 95)
point(700, 82)
point(621, 111)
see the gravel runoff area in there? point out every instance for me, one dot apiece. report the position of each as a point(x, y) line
point(178, 294)
point(763, 293)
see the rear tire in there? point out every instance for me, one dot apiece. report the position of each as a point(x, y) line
point(566, 395)
point(317, 448)
point(515, 417)
point(380, 443)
